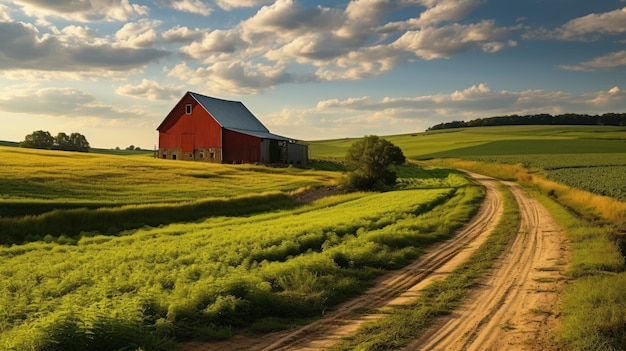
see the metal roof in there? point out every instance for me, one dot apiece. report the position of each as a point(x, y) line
point(231, 114)
point(262, 135)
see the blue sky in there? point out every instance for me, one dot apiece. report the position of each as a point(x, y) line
point(113, 69)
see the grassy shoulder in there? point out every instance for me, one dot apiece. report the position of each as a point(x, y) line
point(593, 312)
point(402, 325)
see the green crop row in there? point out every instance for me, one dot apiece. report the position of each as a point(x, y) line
point(601, 174)
point(205, 279)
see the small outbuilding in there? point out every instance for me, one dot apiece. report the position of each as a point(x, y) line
point(203, 128)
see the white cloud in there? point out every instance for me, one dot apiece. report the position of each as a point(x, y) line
point(24, 49)
point(215, 42)
point(288, 19)
point(83, 11)
point(141, 34)
point(4, 14)
point(333, 44)
point(192, 6)
point(151, 90)
point(181, 34)
point(443, 42)
point(613, 97)
point(588, 27)
point(229, 4)
point(444, 11)
point(233, 77)
point(616, 59)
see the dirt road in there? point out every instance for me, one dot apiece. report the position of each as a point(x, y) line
point(511, 310)
point(514, 309)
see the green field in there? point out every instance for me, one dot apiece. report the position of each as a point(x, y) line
point(130, 252)
point(591, 158)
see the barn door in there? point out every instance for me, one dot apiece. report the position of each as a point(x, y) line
point(189, 142)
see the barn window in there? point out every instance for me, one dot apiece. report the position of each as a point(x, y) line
point(188, 109)
point(191, 155)
point(174, 156)
point(212, 155)
point(164, 156)
point(201, 154)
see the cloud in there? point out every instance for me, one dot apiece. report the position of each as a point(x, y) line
point(334, 43)
point(444, 11)
point(24, 49)
point(140, 34)
point(229, 4)
point(180, 34)
point(4, 14)
point(151, 90)
point(443, 42)
point(234, 77)
point(586, 28)
point(480, 100)
point(192, 6)
point(83, 11)
point(60, 102)
point(288, 19)
point(215, 42)
point(616, 59)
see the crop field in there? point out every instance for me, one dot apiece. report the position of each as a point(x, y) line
point(591, 158)
point(34, 181)
point(204, 276)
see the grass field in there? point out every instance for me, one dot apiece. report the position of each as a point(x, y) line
point(54, 179)
point(591, 158)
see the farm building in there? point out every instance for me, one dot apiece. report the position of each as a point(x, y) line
point(202, 128)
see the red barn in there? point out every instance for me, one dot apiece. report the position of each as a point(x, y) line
point(202, 128)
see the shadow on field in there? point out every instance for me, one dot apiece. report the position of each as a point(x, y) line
point(78, 222)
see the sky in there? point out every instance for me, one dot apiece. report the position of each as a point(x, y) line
point(113, 69)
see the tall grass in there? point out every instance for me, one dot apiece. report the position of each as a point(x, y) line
point(593, 307)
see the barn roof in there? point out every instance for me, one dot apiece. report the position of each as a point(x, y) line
point(230, 114)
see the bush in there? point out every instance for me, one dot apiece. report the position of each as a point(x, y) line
point(369, 159)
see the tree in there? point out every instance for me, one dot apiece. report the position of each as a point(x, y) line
point(78, 142)
point(38, 140)
point(369, 160)
point(62, 142)
point(43, 140)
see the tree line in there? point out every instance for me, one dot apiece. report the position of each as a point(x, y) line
point(44, 140)
point(608, 119)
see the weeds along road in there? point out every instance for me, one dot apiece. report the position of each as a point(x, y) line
point(511, 310)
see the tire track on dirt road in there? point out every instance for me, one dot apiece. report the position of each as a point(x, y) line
point(394, 287)
point(514, 307)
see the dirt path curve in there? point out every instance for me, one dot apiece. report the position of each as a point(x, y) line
point(392, 288)
point(514, 309)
